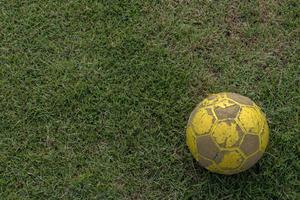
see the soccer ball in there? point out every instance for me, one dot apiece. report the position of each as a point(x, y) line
point(227, 133)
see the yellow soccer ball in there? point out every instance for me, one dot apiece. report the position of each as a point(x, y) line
point(227, 133)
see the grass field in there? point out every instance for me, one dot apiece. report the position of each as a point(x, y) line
point(95, 96)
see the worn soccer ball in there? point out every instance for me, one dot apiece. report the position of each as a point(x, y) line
point(227, 133)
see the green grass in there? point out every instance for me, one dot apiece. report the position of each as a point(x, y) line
point(94, 97)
